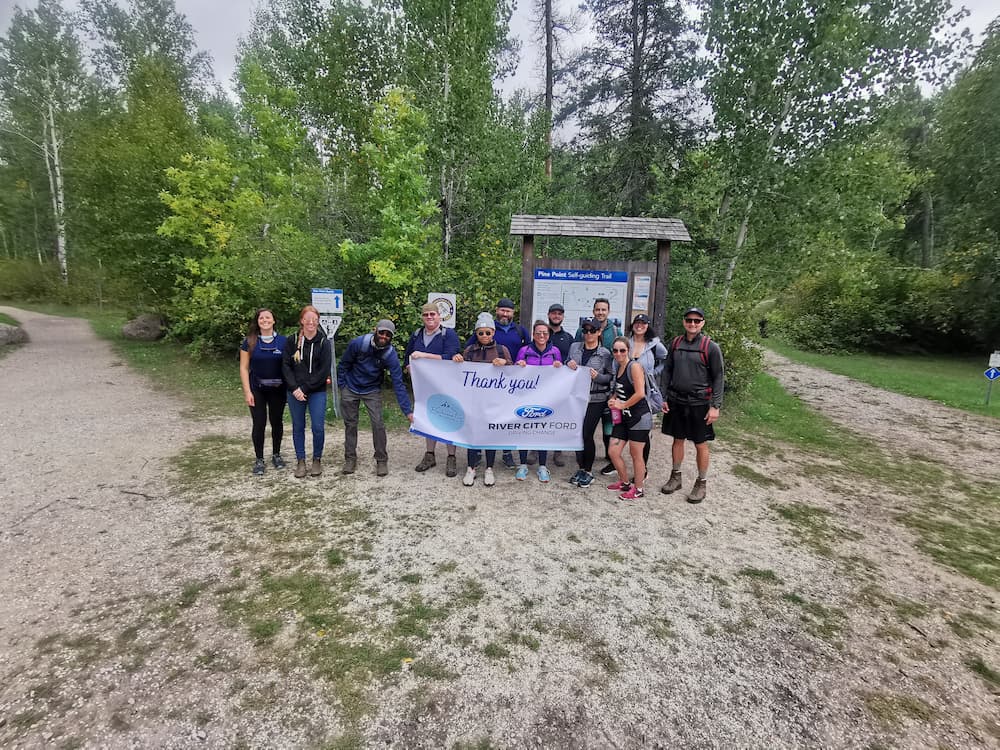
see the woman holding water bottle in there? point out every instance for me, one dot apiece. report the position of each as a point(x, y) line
point(632, 420)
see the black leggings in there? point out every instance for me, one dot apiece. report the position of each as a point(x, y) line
point(268, 402)
point(592, 417)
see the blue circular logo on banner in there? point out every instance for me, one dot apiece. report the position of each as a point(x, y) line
point(445, 413)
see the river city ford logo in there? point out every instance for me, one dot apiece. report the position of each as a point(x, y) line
point(445, 413)
point(533, 412)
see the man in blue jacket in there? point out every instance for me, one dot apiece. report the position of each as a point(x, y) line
point(433, 341)
point(360, 375)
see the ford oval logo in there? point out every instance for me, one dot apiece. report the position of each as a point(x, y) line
point(533, 412)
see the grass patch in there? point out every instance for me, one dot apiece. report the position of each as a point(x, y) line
point(209, 461)
point(755, 477)
point(412, 619)
point(966, 539)
point(813, 526)
point(892, 710)
point(6, 319)
point(759, 574)
point(953, 381)
point(977, 665)
point(495, 651)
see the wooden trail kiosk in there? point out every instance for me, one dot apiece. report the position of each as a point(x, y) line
point(644, 284)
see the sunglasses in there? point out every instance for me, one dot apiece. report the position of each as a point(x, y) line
point(590, 330)
point(620, 351)
point(694, 320)
point(384, 334)
point(484, 333)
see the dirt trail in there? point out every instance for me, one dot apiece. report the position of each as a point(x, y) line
point(903, 425)
point(141, 607)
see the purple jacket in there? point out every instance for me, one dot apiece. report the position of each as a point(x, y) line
point(531, 356)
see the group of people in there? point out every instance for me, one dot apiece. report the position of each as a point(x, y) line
point(275, 370)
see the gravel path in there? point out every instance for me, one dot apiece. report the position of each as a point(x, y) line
point(146, 606)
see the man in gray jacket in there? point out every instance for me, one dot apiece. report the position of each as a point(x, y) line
point(692, 384)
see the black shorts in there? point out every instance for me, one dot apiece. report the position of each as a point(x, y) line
point(635, 430)
point(687, 422)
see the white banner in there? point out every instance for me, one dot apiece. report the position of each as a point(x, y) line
point(477, 405)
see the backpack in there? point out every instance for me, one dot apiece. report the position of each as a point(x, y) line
point(653, 396)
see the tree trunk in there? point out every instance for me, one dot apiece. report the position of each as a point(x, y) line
point(58, 197)
point(447, 173)
point(635, 112)
point(549, 85)
point(741, 237)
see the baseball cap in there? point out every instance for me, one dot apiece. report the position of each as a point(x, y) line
point(557, 308)
point(640, 318)
point(695, 310)
point(386, 325)
point(590, 323)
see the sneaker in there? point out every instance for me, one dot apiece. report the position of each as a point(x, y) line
point(632, 494)
point(451, 469)
point(619, 486)
point(543, 474)
point(488, 479)
point(427, 462)
point(470, 477)
point(258, 467)
point(697, 492)
point(350, 465)
point(317, 467)
point(508, 460)
point(300, 468)
point(381, 468)
point(277, 461)
point(608, 470)
point(586, 479)
point(673, 484)
point(557, 458)
point(522, 473)
point(575, 479)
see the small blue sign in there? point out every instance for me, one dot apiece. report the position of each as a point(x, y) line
point(992, 373)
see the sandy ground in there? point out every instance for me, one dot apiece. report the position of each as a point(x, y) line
point(518, 616)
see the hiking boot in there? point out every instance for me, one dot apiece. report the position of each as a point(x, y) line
point(470, 477)
point(557, 458)
point(586, 479)
point(543, 474)
point(258, 467)
point(488, 479)
point(522, 473)
point(277, 461)
point(673, 484)
point(300, 468)
point(350, 465)
point(450, 469)
point(508, 460)
point(608, 470)
point(697, 492)
point(576, 477)
point(632, 494)
point(317, 468)
point(427, 462)
point(532, 458)
point(381, 468)
point(619, 487)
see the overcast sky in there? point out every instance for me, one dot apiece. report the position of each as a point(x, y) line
point(218, 24)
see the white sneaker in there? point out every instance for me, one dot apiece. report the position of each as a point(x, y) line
point(488, 478)
point(470, 477)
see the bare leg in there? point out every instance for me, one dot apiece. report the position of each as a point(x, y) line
point(677, 451)
point(615, 456)
point(638, 463)
point(701, 458)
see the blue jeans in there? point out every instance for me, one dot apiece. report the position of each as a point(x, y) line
point(316, 404)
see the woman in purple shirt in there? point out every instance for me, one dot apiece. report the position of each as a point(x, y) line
point(538, 352)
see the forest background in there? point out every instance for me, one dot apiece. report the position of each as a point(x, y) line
point(835, 162)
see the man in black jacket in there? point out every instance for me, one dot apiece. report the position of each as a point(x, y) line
point(692, 383)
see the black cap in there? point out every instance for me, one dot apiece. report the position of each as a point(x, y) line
point(640, 318)
point(505, 302)
point(557, 308)
point(695, 310)
point(590, 323)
